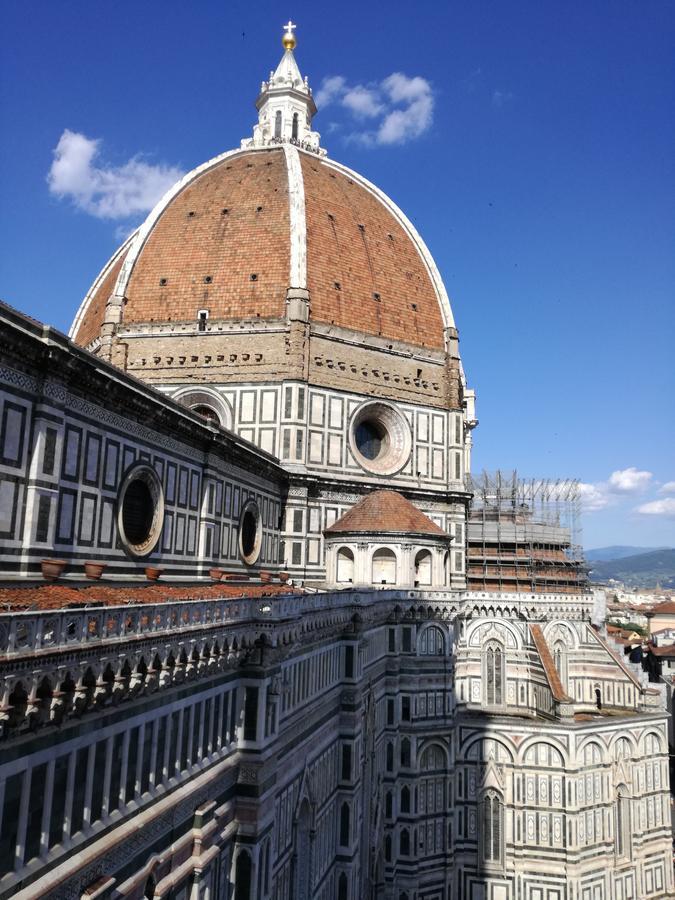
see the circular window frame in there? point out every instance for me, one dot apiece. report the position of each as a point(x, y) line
point(399, 437)
point(252, 558)
point(191, 397)
point(149, 477)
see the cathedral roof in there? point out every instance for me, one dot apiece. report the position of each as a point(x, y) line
point(385, 512)
point(18, 597)
point(236, 233)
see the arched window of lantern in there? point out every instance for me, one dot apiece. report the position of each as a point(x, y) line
point(345, 566)
point(493, 674)
point(492, 827)
point(277, 124)
point(295, 127)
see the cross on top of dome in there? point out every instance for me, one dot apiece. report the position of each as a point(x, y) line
point(288, 40)
point(285, 104)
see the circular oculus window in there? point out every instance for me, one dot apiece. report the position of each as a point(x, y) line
point(380, 438)
point(140, 513)
point(250, 533)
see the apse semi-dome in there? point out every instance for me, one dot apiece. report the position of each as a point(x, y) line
point(237, 232)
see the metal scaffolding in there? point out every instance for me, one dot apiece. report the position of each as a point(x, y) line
point(524, 530)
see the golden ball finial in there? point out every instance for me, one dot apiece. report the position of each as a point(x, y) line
point(288, 40)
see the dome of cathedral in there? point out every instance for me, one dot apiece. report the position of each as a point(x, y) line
point(235, 235)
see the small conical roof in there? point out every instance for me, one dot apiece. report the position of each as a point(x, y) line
point(386, 512)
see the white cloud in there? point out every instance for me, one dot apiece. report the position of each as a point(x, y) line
point(404, 107)
point(667, 488)
point(593, 496)
point(330, 89)
point(665, 507)
point(629, 481)
point(600, 494)
point(501, 98)
point(363, 102)
point(102, 190)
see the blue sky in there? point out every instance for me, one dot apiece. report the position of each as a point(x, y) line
point(538, 167)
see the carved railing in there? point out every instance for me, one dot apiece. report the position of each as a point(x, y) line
point(40, 631)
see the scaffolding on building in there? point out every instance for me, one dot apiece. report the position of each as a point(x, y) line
point(525, 534)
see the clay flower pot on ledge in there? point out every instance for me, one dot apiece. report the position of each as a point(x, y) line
point(52, 568)
point(216, 574)
point(265, 577)
point(283, 577)
point(94, 570)
point(152, 573)
point(235, 577)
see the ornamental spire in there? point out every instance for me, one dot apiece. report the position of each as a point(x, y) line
point(285, 104)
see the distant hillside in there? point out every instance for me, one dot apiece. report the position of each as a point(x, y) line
point(604, 554)
point(643, 570)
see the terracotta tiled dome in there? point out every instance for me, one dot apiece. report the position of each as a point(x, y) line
point(236, 233)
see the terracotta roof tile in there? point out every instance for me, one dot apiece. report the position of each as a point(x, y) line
point(59, 596)
point(385, 512)
point(552, 675)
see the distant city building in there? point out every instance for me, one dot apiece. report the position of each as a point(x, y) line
point(263, 636)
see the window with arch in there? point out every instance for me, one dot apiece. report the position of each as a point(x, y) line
point(622, 749)
point(404, 842)
point(622, 842)
point(653, 745)
point(492, 827)
point(560, 660)
point(277, 124)
point(150, 885)
point(207, 403)
point(432, 758)
point(592, 755)
point(302, 888)
point(344, 825)
point(295, 127)
point(343, 887)
point(390, 757)
point(431, 642)
point(345, 566)
point(388, 805)
point(405, 799)
point(423, 568)
point(494, 674)
point(384, 566)
point(405, 753)
point(242, 876)
point(387, 848)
